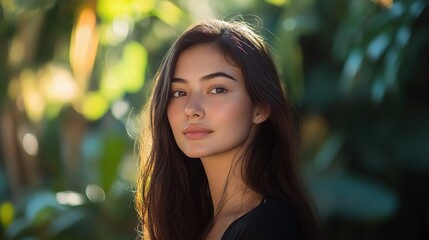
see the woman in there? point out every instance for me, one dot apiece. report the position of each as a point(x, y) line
point(218, 156)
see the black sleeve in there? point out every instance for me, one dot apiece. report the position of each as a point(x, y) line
point(273, 221)
point(272, 229)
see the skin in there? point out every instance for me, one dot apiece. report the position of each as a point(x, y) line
point(212, 118)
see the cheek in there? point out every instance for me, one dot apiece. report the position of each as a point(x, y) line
point(235, 114)
point(173, 114)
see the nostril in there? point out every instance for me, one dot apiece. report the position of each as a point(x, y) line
point(194, 110)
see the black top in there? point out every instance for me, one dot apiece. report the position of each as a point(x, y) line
point(272, 219)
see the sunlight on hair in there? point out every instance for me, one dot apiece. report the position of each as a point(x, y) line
point(70, 198)
point(95, 193)
point(133, 126)
point(30, 144)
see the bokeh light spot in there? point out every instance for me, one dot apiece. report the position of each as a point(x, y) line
point(70, 198)
point(120, 109)
point(30, 144)
point(95, 193)
point(7, 213)
point(94, 106)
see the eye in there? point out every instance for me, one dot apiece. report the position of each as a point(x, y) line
point(178, 93)
point(217, 90)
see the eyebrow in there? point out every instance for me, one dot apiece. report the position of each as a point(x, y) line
point(206, 77)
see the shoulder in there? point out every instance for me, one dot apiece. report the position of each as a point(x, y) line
point(273, 219)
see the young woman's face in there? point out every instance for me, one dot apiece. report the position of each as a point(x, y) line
point(210, 111)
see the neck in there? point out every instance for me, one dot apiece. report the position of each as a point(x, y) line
point(230, 195)
point(220, 174)
point(228, 190)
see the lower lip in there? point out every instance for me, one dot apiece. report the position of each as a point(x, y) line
point(196, 135)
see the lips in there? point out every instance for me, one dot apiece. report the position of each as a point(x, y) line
point(195, 132)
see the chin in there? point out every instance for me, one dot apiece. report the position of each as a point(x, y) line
point(195, 154)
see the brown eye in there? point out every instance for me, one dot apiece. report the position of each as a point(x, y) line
point(217, 90)
point(177, 94)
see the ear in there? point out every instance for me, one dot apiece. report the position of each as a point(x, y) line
point(260, 114)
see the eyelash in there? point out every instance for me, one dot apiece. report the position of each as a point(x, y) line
point(180, 93)
point(224, 90)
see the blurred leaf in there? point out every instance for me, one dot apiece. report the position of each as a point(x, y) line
point(91, 146)
point(412, 146)
point(278, 2)
point(108, 10)
point(328, 151)
point(417, 8)
point(112, 34)
point(34, 101)
point(13, 9)
point(127, 75)
point(403, 36)
point(7, 214)
point(18, 228)
point(351, 67)
point(94, 106)
point(42, 207)
point(114, 147)
point(378, 90)
point(134, 65)
point(52, 110)
point(112, 84)
point(384, 3)
point(291, 53)
point(65, 221)
point(353, 198)
point(378, 45)
point(4, 187)
point(169, 13)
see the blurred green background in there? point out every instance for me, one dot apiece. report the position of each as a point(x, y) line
point(75, 74)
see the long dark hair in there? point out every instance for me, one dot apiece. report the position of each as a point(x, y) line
point(173, 198)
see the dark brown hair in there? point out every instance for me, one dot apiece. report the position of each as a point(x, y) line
point(173, 198)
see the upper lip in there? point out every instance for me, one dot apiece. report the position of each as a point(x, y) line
point(195, 128)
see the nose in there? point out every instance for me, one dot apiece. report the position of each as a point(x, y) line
point(194, 108)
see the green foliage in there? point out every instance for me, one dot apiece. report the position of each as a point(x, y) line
point(45, 218)
point(358, 69)
point(353, 197)
point(358, 79)
point(108, 10)
point(14, 9)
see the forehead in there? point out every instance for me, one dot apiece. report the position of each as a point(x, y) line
point(205, 59)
